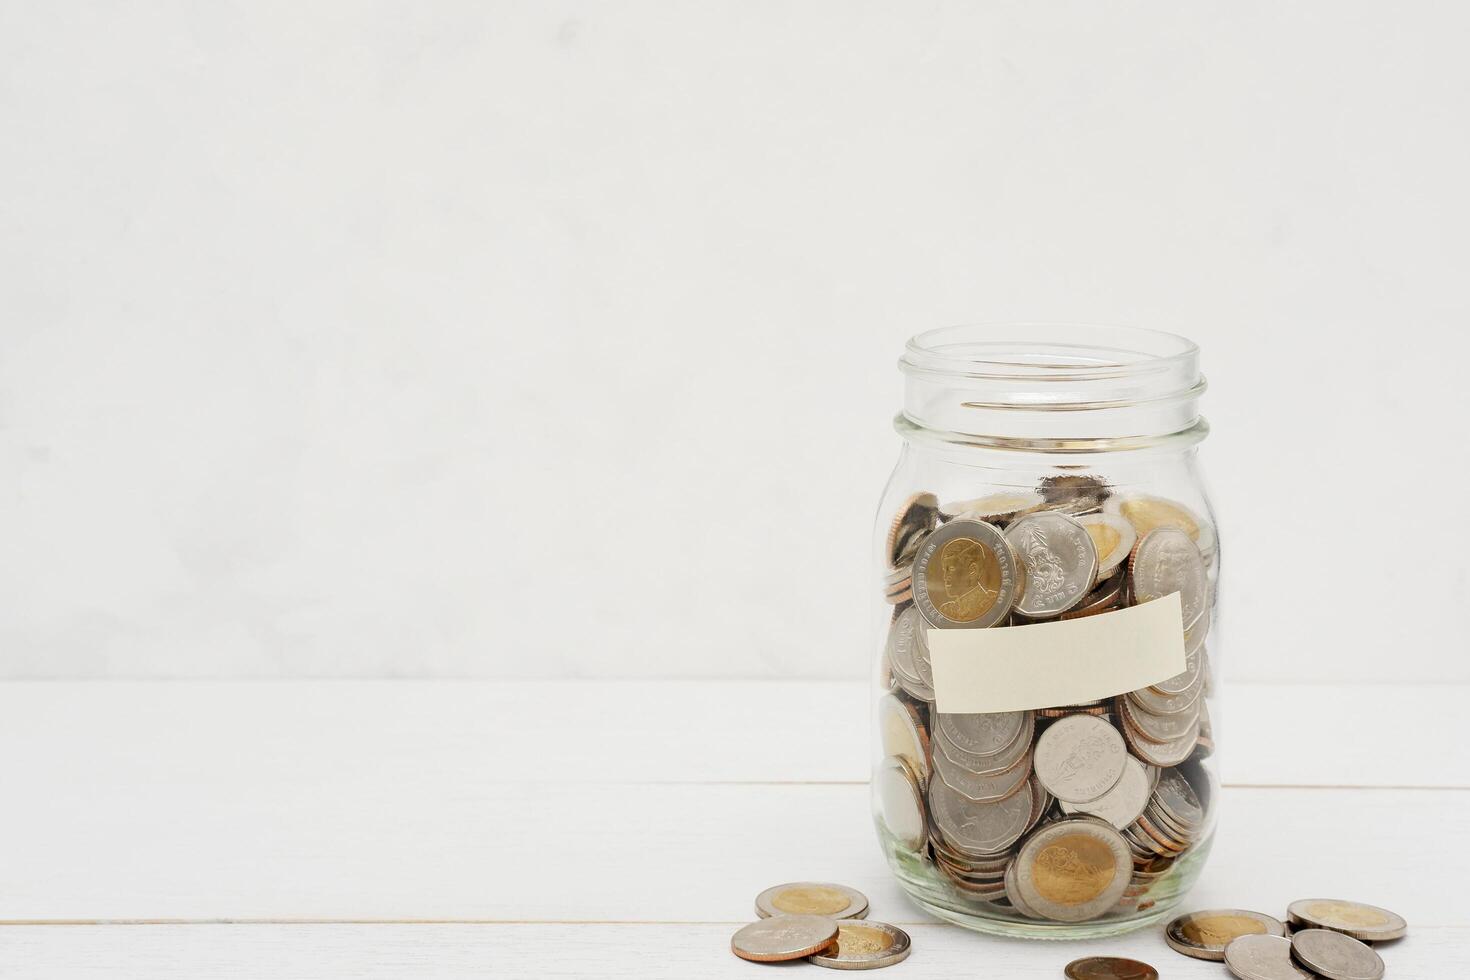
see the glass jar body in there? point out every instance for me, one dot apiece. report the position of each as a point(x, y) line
point(978, 832)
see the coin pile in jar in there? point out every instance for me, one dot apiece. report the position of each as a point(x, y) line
point(1069, 812)
point(1321, 938)
point(821, 923)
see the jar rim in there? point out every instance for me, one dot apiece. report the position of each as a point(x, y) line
point(1046, 352)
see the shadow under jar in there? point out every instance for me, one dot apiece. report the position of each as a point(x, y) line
point(1048, 563)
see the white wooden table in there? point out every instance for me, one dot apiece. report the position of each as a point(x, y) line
point(391, 829)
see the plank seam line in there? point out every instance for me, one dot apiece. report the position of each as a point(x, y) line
point(73, 923)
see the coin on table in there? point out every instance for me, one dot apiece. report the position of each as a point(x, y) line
point(811, 898)
point(965, 576)
point(1335, 956)
point(1122, 804)
point(1079, 758)
point(1204, 935)
point(864, 946)
point(1165, 560)
point(1060, 560)
point(1109, 968)
point(1366, 922)
point(1073, 869)
point(900, 803)
point(1262, 957)
point(1112, 536)
point(783, 937)
point(915, 518)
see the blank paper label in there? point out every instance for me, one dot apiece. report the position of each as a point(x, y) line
point(1013, 668)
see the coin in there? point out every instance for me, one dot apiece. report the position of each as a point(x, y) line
point(982, 734)
point(1263, 957)
point(1335, 956)
point(901, 735)
point(1204, 935)
point(979, 828)
point(783, 937)
point(1073, 869)
point(1112, 536)
point(1165, 561)
point(1079, 758)
point(980, 788)
point(995, 507)
point(965, 576)
point(1147, 513)
point(900, 804)
point(1122, 804)
point(811, 898)
point(1109, 968)
point(864, 946)
point(1070, 487)
point(1366, 922)
point(1060, 560)
point(914, 519)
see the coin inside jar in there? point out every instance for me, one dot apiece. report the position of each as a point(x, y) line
point(1204, 935)
point(1113, 538)
point(812, 898)
point(1060, 561)
point(1366, 922)
point(914, 519)
point(965, 576)
point(1122, 804)
point(1335, 956)
point(783, 937)
point(1262, 957)
point(1165, 561)
point(1073, 869)
point(1109, 968)
point(902, 736)
point(864, 946)
point(900, 803)
point(1079, 758)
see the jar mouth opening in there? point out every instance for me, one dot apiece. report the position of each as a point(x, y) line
point(1042, 353)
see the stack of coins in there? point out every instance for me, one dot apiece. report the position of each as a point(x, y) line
point(821, 923)
point(1326, 938)
point(1068, 812)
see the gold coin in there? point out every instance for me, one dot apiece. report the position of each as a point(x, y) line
point(812, 898)
point(1368, 923)
point(864, 946)
point(1204, 935)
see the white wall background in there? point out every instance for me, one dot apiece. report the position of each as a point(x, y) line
point(558, 338)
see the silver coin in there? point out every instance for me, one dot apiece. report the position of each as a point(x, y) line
point(1073, 869)
point(996, 763)
point(903, 639)
point(1166, 561)
point(982, 734)
point(1205, 934)
point(812, 898)
point(1122, 804)
point(1079, 758)
point(993, 508)
point(1160, 728)
point(1060, 560)
point(1335, 956)
point(1187, 678)
point(901, 735)
point(980, 788)
point(900, 804)
point(1113, 537)
point(965, 576)
point(979, 828)
point(864, 946)
point(1366, 922)
point(1163, 754)
point(1151, 700)
point(783, 937)
point(1261, 957)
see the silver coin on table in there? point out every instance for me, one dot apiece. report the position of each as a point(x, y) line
point(1335, 956)
point(812, 898)
point(783, 937)
point(1079, 758)
point(979, 828)
point(1366, 922)
point(982, 734)
point(1262, 957)
point(1073, 869)
point(1112, 536)
point(864, 946)
point(1122, 804)
point(965, 576)
point(1205, 934)
point(900, 802)
point(1164, 561)
point(1060, 560)
point(902, 735)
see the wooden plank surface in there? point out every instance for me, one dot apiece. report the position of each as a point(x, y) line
point(574, 825)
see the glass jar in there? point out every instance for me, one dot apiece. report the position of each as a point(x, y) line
point(1048, 564)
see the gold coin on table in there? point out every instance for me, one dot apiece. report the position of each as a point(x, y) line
point(1365, 922)
point(864, 946)
point(812, 898)
point(783, 937)
point(1204, 935)
point(1109, 968)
